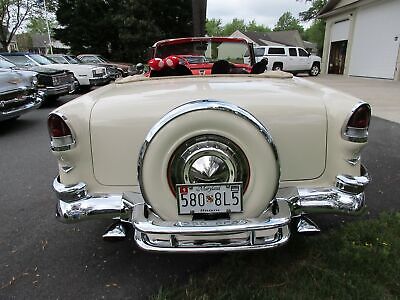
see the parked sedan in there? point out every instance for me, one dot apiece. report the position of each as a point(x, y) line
point(51, 83)
point(112, 70)
point(18, 93)
point(123, 69)
point(85, 76)
point(230, 159)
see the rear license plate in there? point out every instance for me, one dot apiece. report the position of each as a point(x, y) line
point(209, 198)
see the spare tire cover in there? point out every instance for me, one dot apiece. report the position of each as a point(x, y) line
point(199, 118)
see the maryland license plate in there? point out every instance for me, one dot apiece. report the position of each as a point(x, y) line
point(209, 198)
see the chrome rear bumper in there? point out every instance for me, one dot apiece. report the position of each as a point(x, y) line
point(270, 229)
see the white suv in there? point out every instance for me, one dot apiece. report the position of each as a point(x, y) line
point(286, 58)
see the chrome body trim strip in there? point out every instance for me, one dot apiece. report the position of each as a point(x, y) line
point(199, 105)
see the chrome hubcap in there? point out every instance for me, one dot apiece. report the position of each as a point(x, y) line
point(208, 159)
point(208, 165)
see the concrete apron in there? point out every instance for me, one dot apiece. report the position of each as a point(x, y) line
point(383, 95)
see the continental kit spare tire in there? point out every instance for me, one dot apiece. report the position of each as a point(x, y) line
point(208, 132)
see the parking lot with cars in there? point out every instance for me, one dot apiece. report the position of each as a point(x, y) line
point(42, 258)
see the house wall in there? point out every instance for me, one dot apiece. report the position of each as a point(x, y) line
point(367, 38)
point(397, 72)
point(329, 36)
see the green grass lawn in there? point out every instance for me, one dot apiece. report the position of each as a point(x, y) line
point(360, 260)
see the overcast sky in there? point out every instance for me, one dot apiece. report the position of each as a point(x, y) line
point(266, 12)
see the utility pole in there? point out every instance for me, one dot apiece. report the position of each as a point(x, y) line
point(199, 8)
point(48, 28)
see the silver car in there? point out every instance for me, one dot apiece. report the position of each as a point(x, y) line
point(18, 93)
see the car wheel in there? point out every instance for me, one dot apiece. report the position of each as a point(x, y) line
point(231, 138)
point(120, 74)
point(85, 88)
point(277, 67)
point(76, 87)
point(315, 69)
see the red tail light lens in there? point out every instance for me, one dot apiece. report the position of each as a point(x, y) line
point(361, 117)
point(57, 126)
point(356, 129)
point(60, 134)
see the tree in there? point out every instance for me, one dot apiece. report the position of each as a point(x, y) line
point(236, 24)
point(253, 26)
point(316, 32)
point(214, 27)
point(87, 26)
point(312, 12)
point(121, 29)
point(12, 15)
point(288, 22)
point(37, 21)
point(37, 24)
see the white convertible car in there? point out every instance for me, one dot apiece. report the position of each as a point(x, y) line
point(222, 161)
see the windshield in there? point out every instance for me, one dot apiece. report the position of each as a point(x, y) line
point(41, 59)
point(102, 59)
point(21, 60)
point(57, 59)
point(5, 64)
point(259, 52)
point(197, 52)
point(72, 59)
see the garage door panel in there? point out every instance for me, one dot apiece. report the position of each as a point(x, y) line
point(375, 49)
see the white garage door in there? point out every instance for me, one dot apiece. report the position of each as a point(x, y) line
point(340, 31)
point(376, 40)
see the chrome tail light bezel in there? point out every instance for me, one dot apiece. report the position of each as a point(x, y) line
point(356, 134)
point(64, 142)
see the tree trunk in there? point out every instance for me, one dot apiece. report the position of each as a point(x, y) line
point(199, 8)
point(4, 45)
